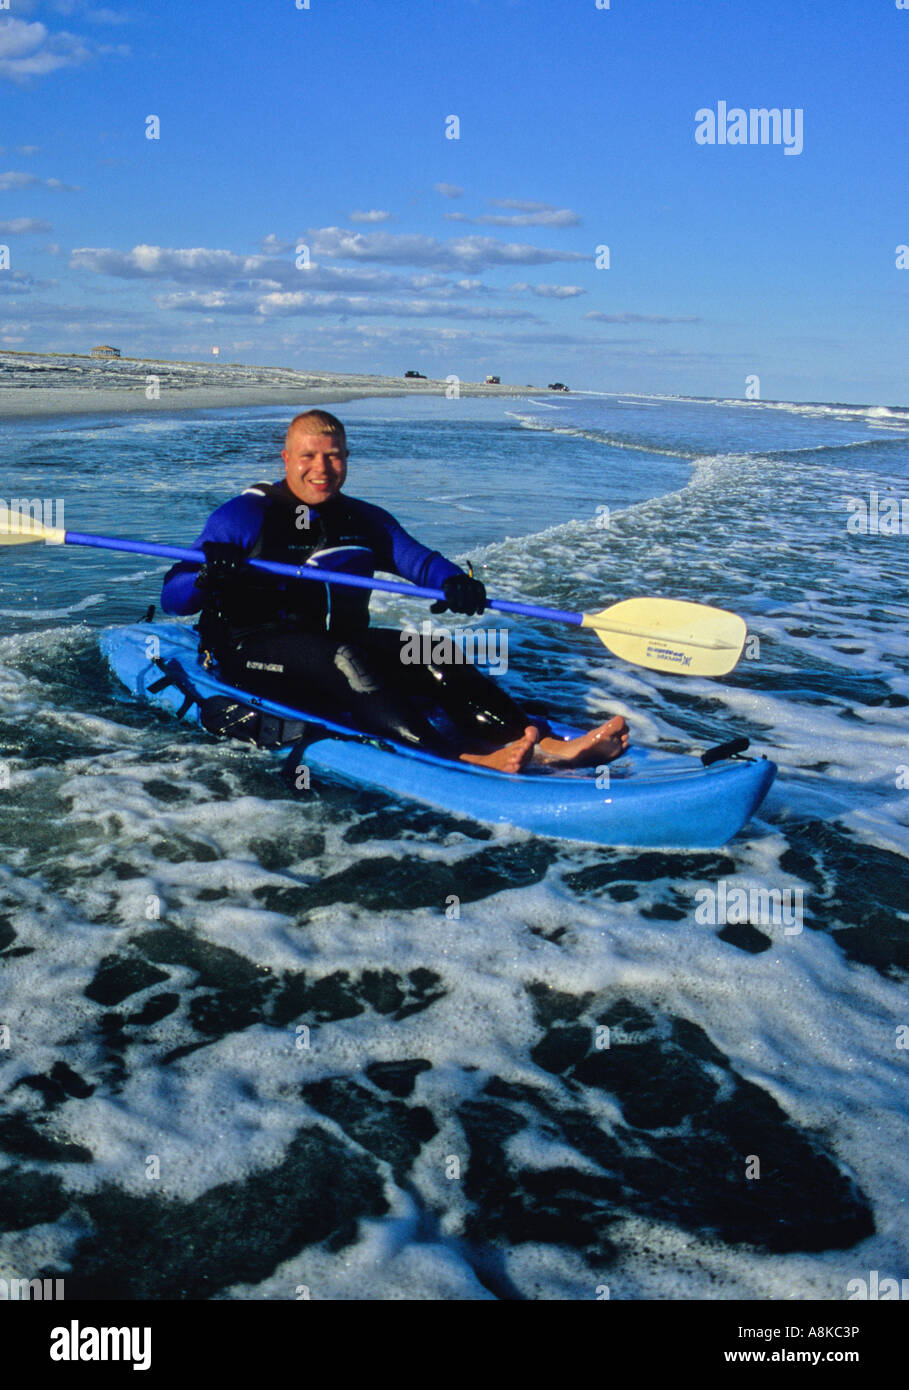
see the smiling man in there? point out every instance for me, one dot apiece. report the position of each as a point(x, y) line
point(315, 463)
point(310, 645)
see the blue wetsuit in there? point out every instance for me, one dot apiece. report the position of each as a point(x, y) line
point(310, 644)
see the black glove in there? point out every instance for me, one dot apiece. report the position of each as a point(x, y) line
point(463, 594)
point(224, 562)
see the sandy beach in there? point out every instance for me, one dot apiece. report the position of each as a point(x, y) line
point(32, 384)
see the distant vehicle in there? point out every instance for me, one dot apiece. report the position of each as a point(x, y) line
point(493, 381)
point(557, 386)
point(421, 375)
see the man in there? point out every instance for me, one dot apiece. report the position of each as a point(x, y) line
point(310, 645)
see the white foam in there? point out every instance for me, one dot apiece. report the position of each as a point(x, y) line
point(90, 836)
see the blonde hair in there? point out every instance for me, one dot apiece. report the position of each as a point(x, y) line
point(326, 423)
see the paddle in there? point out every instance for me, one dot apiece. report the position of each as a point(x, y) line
point(660, 633)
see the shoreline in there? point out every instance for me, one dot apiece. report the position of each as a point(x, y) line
point(49, 386)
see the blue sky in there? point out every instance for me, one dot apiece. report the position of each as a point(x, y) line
point(326, 127)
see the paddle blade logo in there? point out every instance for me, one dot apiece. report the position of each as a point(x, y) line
point(662, 658)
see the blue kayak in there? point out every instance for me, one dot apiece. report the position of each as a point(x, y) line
point(653, 799)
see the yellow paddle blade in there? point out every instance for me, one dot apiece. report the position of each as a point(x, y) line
point(668, 634)
point(22, 528)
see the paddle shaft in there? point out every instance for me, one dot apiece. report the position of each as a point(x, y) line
point(355, 581)
point(662, 634)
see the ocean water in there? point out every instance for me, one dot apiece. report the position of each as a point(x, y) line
point(250, 1053)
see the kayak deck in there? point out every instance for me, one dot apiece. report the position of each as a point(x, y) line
point(653, 799)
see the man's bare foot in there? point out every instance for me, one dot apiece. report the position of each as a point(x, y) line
point(512, 758)
point(601, 745)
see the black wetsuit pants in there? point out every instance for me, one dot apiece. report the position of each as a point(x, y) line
point(444, 706)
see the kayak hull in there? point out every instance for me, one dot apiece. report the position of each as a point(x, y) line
point(653, 799)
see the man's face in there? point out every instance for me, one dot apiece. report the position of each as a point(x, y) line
point(315, 466)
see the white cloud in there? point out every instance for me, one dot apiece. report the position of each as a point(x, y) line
point(471, 253)
point(550, 291)
point(598, 317)
point(30, 50)
point(15, 178)
point(557, 217)
point(207, 268)
point(193, 299)
point(146, 262)
point(274, 246)
point(18, 38)
point(211, 283)
point(375, 215)
point(18, 225)
point(302, 302)
point(449, 190)
point(520, 215)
